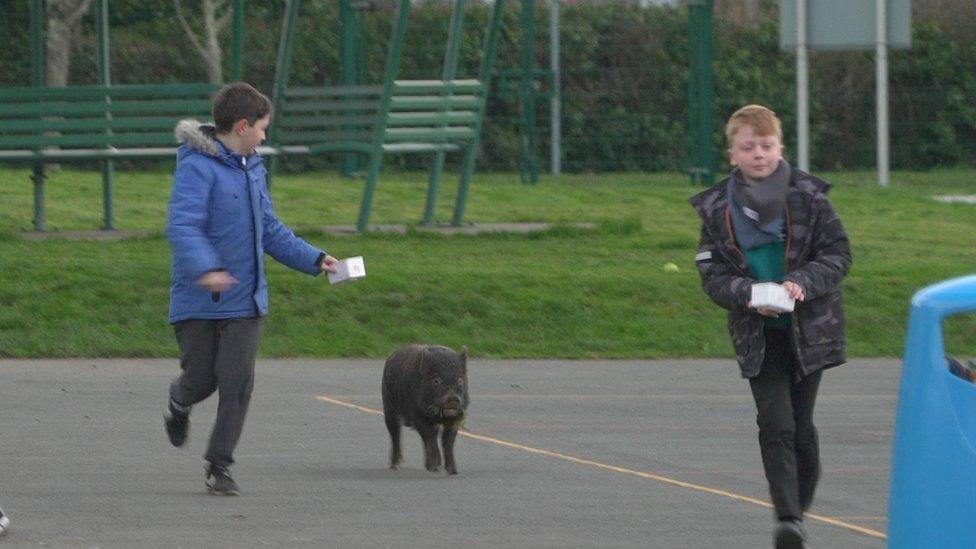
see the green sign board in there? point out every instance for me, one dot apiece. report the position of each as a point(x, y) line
point(845, 24)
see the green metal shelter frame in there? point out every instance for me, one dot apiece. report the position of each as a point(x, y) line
point(398, 116)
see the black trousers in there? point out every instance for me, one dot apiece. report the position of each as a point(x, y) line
point(787, 437)
point(218, 355)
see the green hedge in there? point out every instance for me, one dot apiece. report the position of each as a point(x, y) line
point(624, 78)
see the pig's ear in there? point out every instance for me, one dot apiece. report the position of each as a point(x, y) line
point(464, 356)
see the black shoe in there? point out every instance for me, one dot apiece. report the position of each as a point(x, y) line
point(790, 535)
point(4, 523)
point(219, 482)
point(177, 423)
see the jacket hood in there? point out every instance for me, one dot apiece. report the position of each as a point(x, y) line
point(197, 135)
point(198, 138)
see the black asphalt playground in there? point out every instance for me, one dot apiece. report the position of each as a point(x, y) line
point(651, 454)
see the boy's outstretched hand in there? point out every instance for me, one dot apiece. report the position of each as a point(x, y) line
point(216, 281)
point(328, 264)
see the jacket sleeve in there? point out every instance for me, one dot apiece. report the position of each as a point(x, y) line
point(830, 257)
point(187, 220)
point(282, 244)
point(720, 280)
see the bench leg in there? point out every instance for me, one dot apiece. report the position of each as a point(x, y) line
point(372, 175)
point(467, 168)
point(434, 182)
point(37, 176)
point(108, 194)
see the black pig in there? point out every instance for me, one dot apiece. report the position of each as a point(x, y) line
point(426, 387)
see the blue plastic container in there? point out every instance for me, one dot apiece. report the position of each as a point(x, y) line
point(933, 472)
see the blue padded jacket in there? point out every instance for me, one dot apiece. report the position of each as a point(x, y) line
point(222, 217)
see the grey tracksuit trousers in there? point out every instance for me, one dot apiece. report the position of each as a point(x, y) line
point(218, 355)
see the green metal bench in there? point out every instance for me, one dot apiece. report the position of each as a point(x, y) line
point(52, 125)
point(400, 116)
point(418, 116)
point(44, 125)
point(422, 116)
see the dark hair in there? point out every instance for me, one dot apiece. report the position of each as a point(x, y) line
point(239, 101)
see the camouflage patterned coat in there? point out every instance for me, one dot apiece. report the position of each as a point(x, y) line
point(818, 256)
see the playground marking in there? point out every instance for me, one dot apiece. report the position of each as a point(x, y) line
point(632, 472)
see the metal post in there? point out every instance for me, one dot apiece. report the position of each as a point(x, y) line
point(881, 22)
point(802, 89)
point(282, 66)
point(393, 56)
point(529, 161)
point(451, 54)
point(701, 92)
point(484, 76)
point(347, 69)
point(707, 96)
point(37, 69)
point(555, 103)
point(237, 43)
point(693, 153)
point(105, 79)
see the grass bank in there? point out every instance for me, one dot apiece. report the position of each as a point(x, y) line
point(565, 292)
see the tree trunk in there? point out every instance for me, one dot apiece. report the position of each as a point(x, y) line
point(747, 13)
point(213, 55)
point(209, 48)
point(62, 21)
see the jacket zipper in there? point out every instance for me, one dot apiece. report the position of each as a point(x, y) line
point(794, 319)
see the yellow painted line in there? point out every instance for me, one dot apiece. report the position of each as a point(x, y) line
point(618, 396)
point(632, 472)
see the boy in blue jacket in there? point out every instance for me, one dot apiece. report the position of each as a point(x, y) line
point(221, 223)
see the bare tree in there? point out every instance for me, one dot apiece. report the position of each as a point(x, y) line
point(63, 17)
point(213, 24)
point(747, 13)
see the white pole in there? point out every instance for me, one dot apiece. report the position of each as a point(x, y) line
point(881, 24)
point(802, 89)
point(555, 106)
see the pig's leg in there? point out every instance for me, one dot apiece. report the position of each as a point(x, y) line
point(393, 425)
point(432, 454)
point(447, 439)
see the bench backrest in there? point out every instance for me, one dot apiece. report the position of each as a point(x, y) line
point(434, 111)
point(80, 118)
point(345, 118)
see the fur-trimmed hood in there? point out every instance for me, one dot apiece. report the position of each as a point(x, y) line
point(201, 138)
point(197, 135)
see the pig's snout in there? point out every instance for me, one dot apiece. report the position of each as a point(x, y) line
point(450, 406)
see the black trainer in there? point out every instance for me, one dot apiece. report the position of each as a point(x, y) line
point(790, 535)
point(219, 482)
point(4, 523)
point(177, 423)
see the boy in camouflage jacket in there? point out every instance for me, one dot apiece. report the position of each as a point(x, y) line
point(769, 222)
